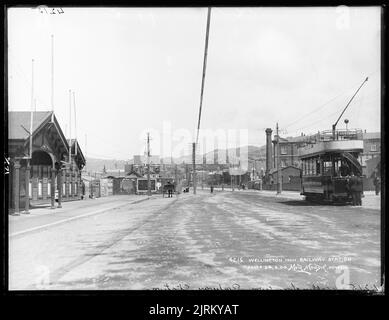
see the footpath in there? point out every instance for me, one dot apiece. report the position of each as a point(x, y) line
point(43, 217)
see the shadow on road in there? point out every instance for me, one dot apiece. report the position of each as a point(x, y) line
point(305, 203)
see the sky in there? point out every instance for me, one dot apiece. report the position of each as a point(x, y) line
point(138, 70)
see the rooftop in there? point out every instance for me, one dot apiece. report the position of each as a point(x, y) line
point(19, 123)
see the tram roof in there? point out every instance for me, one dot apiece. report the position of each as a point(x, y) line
point(333, 146)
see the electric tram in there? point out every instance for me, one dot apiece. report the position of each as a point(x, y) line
point(330, 167)
point(328, 164)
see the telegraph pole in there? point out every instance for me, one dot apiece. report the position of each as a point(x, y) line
point(202, 179)
point(194, 167)
point(148, 165)
point(175, 174)
point(201, 98)
point(279, 169)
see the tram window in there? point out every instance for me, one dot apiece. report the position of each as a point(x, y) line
point(311, 167)
point(317, 167)
point(327, 167)
point(344, 168)
point(337, 168)
point(308, 167)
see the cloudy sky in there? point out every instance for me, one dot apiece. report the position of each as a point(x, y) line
point(135, 70)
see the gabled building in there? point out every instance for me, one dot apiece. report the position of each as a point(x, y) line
point(35, 180)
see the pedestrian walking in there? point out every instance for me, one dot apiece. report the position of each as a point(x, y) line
point(377, 184)
point(355, 190)
point(169, 189)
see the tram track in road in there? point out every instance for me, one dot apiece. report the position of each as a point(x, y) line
point(57, 274)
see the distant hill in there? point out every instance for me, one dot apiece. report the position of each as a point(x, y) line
point(253, 152)
point(97, 165)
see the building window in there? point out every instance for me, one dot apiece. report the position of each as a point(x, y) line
point(373, 147)
point(283, 150)
point(49, 189)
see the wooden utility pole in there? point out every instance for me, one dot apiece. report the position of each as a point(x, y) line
point(202, 179)
point(148, 165)
point(194, 166)
point(176, 180)
point(279, 169)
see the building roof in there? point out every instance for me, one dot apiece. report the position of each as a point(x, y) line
point(237, 171)
point(19, 122)
point(133, 175)
point(283, 168)
point(371, 135)
point(19, 128)
point(116, 173)
point(80, 155)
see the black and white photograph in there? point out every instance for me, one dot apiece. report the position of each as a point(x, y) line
point(194, 148)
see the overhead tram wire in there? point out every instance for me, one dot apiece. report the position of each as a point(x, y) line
point(325, 118)
point(326, 103)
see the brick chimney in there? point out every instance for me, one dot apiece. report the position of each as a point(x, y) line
point(269, 155)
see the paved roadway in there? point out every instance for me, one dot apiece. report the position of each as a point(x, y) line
point(226, 240)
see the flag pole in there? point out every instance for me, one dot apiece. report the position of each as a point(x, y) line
point(32, 106)
point(52, 78)
point(75, 123)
